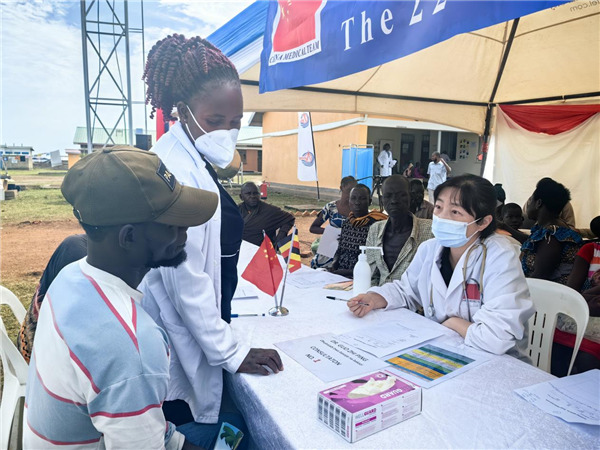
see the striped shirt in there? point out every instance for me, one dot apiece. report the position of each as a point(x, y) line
point(99, 368)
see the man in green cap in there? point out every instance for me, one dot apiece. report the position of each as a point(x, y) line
point(100, 365)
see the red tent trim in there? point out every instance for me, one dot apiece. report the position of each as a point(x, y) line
point(551, 119)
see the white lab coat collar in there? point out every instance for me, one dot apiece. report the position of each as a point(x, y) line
point(178, 132)
point(457, 276)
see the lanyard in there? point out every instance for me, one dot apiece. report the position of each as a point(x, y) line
point(431, 308)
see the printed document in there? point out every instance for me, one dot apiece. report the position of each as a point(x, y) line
point(435, 362)
point(385, 338)
point(574, 399)
point(328, 358)
point(306, 278)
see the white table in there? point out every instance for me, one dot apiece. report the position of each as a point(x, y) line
point(477, 409)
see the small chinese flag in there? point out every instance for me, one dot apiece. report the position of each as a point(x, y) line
point(290, 250)
point(264, 270)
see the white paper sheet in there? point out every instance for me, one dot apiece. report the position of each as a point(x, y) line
point(385, 338)
point(574, 399)
point(329, 241)
point(309, 278)
point(328, 358)
point(466, 359)
point(243, 292)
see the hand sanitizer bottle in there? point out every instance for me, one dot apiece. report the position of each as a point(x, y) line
point(362, 272)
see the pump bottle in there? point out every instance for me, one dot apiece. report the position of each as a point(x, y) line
point(362, 271)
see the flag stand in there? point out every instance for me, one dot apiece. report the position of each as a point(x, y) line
point(278, 309)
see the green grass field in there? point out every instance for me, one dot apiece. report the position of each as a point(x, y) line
point(35, 205)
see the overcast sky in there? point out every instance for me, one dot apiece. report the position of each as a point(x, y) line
point(41, 76)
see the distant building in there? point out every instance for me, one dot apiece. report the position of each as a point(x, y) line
point(410, 142)
point(16, 157)
point(249, 146)
point(100, 138)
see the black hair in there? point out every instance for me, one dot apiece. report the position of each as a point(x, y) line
point(363, 186)
point(346, 181)
point(476, 195)
point(500, 194)
point(595, 226)
point(98, 233)
point(511, 206)
point(554, 196)
point(416, 182)
point(177, 69)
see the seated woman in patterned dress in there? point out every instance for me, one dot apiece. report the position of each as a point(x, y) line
point(549, 253)
point(550, 250)
point(355, 230)
point(336, 212)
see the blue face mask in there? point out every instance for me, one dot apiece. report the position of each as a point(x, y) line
point(451, 233)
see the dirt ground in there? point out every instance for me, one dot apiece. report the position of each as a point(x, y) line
point(27, 247)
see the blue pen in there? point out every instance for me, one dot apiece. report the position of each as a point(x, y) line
point(247, 315)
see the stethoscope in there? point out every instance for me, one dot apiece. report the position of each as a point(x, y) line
point(431, 308)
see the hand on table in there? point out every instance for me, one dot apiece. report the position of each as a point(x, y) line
point(372, 300)
point(257, 358)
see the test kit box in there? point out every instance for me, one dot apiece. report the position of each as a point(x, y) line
point(366, 405)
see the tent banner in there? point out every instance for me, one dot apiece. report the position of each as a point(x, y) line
point(312, 41)
point(307, 164)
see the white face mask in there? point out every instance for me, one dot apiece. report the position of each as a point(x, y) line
point(217, 146)
point(451, 233)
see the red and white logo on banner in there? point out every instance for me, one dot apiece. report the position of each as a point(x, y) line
point(296, 30)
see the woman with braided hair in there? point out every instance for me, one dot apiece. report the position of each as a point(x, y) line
point(192, 302)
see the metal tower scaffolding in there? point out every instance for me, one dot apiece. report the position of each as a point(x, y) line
point(105, 37)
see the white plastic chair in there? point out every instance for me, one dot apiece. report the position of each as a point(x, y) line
point(550, 299)
point(15, 373)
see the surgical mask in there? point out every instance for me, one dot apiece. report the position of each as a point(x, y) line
point(451, 233)
point(217, 146)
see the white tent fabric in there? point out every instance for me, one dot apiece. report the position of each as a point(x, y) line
point(519, 158)
point(554, 53)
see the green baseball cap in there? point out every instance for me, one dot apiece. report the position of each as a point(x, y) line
point(123, 184)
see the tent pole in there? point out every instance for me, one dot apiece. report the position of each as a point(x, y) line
point(490, 106)
point(312, 135)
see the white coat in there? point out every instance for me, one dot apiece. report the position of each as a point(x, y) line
point(386, 162)
point(186, 301)
point(499, 317)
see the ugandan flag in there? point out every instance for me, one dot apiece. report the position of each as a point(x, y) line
point(290, 250)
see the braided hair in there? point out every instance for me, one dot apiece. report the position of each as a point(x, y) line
point(178, 69)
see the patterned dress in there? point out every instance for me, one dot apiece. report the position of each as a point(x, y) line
point(354, 234)
point(570, 240)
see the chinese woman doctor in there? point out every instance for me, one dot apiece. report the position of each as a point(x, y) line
point(468, 278)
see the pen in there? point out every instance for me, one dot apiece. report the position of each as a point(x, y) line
point(344, 300)
point(247, 315)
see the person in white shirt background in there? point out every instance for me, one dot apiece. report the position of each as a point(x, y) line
point(468, 278)
point(438, 171)
point(386, 161)
point(191, 301)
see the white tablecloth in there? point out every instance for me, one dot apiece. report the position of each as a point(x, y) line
point(477, 409)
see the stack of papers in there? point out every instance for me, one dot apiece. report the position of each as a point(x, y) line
point(574, 399)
